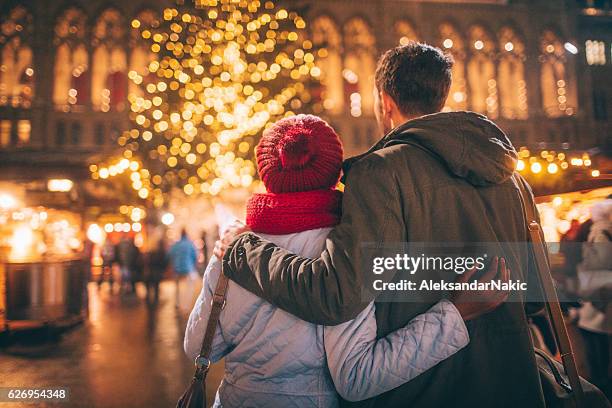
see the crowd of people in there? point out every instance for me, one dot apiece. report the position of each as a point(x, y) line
point(126, 263)
point(587, 279)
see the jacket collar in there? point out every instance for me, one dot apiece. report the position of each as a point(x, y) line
point(380, 144)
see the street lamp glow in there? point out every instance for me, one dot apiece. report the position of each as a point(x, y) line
point(7, 201)
point(553, 168)
point(59, 185)
point(571, 48)
point(536, 168)
point(95, 234)
point(167, 219)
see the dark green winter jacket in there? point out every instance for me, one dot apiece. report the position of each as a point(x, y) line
point(444, 177)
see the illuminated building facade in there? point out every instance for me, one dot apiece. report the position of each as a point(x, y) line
point(540, 69)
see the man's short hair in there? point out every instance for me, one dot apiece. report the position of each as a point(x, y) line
point(416, 76)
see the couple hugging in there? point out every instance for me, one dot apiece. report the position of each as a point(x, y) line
point(296, 330)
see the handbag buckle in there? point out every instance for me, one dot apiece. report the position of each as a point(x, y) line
point(218, 300)
point(202, 363)
point(534, 226)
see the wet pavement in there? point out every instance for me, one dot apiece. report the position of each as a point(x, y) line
point(126, 355)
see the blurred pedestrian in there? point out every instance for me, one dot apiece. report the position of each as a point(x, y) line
point(136, 265)
point(126, 254)
point(570, 249)
point(108, 259)
point(595, 288)
point(158, 262)
point(183, 257)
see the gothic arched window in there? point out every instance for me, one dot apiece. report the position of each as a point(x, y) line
point(359, 66)
point(558, 97)
point(404, 32)
point(481, 72)
point(71, 86)
point(141, 55)
point(16, 69)
point(511, 75)
point(452, 42)
point(327, 41)
point(109, 67)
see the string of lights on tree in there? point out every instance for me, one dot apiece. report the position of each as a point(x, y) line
point(220, 73)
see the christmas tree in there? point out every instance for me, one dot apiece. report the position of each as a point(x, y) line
point(220, 72)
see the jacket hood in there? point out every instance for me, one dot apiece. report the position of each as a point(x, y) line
point(471, 146)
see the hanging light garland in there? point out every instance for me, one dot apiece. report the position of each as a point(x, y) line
point(549, 162)
point(220, 73)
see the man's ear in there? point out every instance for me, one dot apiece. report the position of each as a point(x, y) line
point(388, 104)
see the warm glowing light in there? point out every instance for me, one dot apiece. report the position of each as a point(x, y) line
point(95, 234)
point(478, 44)
point(557, 201)
point(520, 165)
point(536, 167)
point(7, 202)
point(458, 97)
point(552, 168)
point(576, 162)
point(137, 214)
point(595, 173)
point(21, 242)
point(167, 218)
point(571, 48)
point(448, 43)
point(218, 78)
point(59, 185)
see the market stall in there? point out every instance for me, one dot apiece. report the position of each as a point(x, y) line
point(43, 275)
point(557, 214)
point(558, 210)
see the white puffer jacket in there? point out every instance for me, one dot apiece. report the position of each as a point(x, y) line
point(274, 359)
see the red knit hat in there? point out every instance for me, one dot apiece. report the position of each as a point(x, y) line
point(299, 153)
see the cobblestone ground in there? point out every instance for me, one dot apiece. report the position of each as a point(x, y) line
point(126, 355)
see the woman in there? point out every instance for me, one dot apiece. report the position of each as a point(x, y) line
point(595, 287)
point(274, 359)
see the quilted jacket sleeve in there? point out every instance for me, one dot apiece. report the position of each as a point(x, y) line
point(363, 367)
point(198, 319)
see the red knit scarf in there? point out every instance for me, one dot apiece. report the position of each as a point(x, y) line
point(286, 213)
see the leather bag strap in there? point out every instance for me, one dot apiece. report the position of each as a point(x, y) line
point(552, 301)
point(218, 303)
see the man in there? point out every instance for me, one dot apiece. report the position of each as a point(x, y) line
point(183, 258)
point(434, 177)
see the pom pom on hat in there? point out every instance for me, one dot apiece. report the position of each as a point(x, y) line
point(299, 153)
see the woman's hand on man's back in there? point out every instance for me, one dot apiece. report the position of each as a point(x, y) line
point(233, 230)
